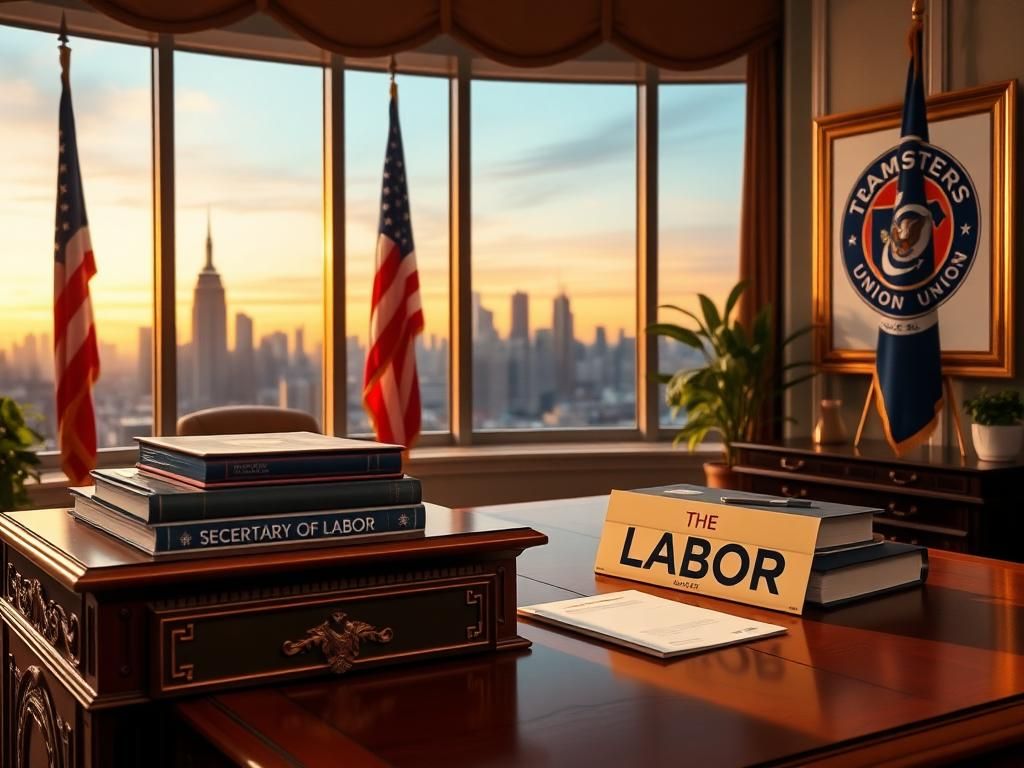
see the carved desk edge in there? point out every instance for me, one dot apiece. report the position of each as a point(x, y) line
point(55, 562)
point(150, 571)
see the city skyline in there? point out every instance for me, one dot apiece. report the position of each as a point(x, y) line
point(553, 215)
point(550, 202)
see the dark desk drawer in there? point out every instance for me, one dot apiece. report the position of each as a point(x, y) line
point(899, 476)
point(899, 511)
point(273, 640)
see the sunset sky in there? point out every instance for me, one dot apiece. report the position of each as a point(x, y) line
point(553, 174)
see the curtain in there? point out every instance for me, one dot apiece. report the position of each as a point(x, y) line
point(675, 34)
point(760, 234)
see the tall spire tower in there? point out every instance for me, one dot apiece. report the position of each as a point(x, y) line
point(209, 244)
point(209, 333)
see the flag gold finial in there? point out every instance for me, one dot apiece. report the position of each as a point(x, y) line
point(392, 68)
point(916, 28)
point(65, 51)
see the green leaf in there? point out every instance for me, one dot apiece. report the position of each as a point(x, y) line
point(711, 316)
point(680, 334)
point(700, 323)
point(734, 297)
point(797, 380)
point(797, 334)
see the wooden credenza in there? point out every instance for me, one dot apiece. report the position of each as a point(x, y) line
point(931, 497)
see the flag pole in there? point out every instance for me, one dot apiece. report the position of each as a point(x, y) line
point(65, 51)
point(392, 67)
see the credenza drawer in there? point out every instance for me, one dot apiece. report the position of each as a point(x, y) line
point(275, 640)
point(898, 476)
point(898, 510)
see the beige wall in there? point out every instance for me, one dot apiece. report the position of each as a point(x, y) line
point(859, 60)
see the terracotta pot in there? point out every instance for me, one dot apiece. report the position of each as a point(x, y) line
point(718, 474)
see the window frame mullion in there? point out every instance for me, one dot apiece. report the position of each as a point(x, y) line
point(334, 365)
point(647, 253)
point(165, 360)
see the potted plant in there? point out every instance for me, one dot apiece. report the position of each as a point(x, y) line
point(18, 460)
point(996, 430)
point(727, 393)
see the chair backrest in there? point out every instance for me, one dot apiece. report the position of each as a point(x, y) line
point(246, 419)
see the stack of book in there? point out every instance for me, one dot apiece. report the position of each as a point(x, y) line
point(215, 493)
point(850, 560)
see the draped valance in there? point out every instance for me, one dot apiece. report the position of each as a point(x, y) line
point(676, 34)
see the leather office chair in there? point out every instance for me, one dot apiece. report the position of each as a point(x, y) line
point(245, 419)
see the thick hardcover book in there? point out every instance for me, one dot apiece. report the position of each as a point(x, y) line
point(238, 534)
point(841, 524)
point(225, 460)
point(685, 537)
point(155, 500)
point(852, 574)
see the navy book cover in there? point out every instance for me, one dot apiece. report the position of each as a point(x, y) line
point(238, 459)
point(156, 500)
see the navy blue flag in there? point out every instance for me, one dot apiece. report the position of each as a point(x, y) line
point(908, 363)
point(909, 237)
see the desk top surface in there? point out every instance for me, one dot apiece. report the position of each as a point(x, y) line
point(922, 674)
point(84, 558)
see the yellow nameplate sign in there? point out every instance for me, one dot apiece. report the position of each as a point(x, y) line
point(751, 555)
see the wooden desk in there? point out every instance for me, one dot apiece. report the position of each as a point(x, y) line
point(918, 677)
point(97, 636)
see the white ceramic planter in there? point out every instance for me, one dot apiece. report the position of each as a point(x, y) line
point(997, 443)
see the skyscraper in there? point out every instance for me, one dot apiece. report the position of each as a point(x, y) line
point(244, 384)
point(209, 333)
point(520, 316)
point(144, 365)
point(519, 390)
point(563, 348)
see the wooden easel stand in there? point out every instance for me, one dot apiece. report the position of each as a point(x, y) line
point(947, 389)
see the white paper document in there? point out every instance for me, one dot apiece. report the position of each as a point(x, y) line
point(650, 624)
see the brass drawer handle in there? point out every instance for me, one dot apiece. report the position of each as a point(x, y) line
point(902, 478)
point(791, 464)
point(897, 512)
point(338, 639)
point(787, 491)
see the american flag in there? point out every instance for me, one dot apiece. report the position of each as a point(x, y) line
point(76, 356)
point(391, 389)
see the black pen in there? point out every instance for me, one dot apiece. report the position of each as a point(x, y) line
point(768, 502)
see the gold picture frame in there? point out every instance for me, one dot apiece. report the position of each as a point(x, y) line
point(977, 127)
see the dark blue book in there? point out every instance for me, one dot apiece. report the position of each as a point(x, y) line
point(249, 533)
point(853, 574)
point(156, 500)
point(208, 461)
point(841, 524)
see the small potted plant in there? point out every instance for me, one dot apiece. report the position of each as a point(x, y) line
point(996, 431)
point(727, 393)
point(18, 459)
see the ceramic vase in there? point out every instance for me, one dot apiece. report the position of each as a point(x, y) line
point(830, 429)
point(997, 443)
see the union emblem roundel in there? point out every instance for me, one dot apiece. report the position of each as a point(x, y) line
point(905, 260)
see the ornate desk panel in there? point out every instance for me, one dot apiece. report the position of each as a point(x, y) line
point(95, 632)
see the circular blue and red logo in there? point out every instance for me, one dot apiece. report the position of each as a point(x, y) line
point(906, 257)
